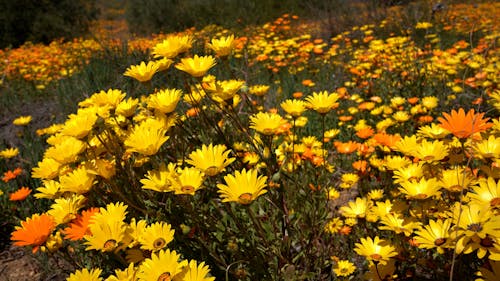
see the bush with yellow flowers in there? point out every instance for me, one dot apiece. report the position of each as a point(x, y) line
point(212, 168)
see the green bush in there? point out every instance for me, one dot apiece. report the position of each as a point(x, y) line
point(43, 20)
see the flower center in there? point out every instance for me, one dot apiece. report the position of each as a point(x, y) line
point(159, 243)
point(187, 189)
point(165, 276)
point(376, 257)
point(440, 241)
point(109, 245)
point(211, 171)
point(245, 198)
point(428, 158)
point(495, 202)
point(476, 227)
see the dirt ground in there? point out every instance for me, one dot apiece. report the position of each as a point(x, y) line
point(18, 265)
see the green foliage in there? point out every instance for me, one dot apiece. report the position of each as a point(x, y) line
point(153, 16)
point(43, 21)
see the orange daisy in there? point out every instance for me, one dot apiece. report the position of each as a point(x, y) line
point(463, 125)
point(10, 175)
point(365, 132)
point(20, 194)
point(346, 147)
point(79, 227)
point(33, 231)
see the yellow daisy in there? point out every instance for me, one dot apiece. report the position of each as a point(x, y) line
point(22, 120)
point(431, 151)
point(456, 179)
point(160, 180)
point(162, 266)
point(188, 181)
point(110, 98)
point(420, 189)
point(211, 159)
point(398, 223)
point(259, 90)
point(322, 102)
point(294, 107)
point(195, 271)
point(488, 148)
point(223, 91)
point(9, 152)
point(223, 46)
point(242, 187)
point(165, 101)
point(67, 151)
point(107, 228)
point(127, 274)
point(344, 268)
point(486, 193)
point(435, 235)
point(85, 274)
point(376, 250)
point(142, 72)
point(356, 209)
point(127, 107)
point(49, 190)
point(77, 181)
point(80, 124)
point(47, 169)
point(266, 123)
point(156, 236)
point(65, 209)
point(172, 46)
point(413, 171)
point(146, 138)
point(196, 66)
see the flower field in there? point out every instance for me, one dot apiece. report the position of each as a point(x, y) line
point(274, 152)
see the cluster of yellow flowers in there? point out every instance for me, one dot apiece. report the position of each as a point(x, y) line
point(409, 197)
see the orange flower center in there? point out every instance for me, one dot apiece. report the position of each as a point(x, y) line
point(245, 198)
point(165, 276)
point(211, 171)
point(159, 243)
point(440, 241)
point(376, 257)
point(187, 189)
point(495, 202)
point(109, 245)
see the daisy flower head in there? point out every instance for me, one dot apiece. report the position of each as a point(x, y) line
point(435, 235)
point(211, 159)
point(164, 265)
point(142, 72)
point(165, 101)
point(322, 102)
point(156, 236)
point(294, 107)
point(9, 152)
point(20, 194)
point(344, 268)
point(195, 271)
point(222, 46)
point(463, 125)
point(34, 231)
point(196, 66)
point(188, 181)
point(242, 187)
point(376, 250)
point(146, 138)
point(85, 274)
point(172, 46)
point(266, 123)
point(22, 120)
